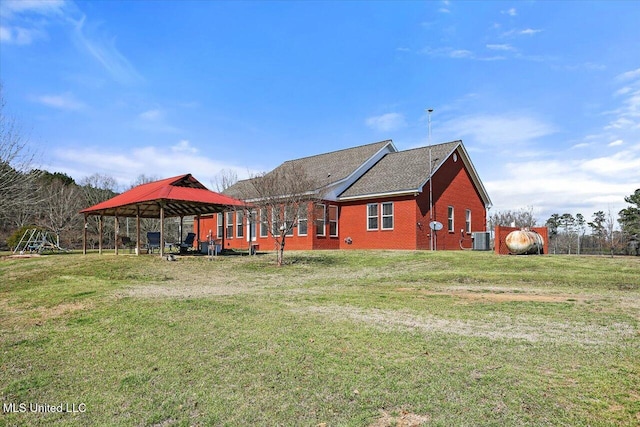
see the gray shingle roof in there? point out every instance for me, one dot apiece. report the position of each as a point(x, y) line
point(401, 171)
point(324, 169)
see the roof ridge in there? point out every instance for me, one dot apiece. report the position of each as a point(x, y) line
point(427, 146)
point(338, 151)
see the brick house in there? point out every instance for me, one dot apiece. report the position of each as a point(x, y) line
point(374, 197)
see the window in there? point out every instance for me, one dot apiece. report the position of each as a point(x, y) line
point(229, 225)
point(320, 211)
point(467, 223)
point(302, 220)
point(220, 226)
point(289, 218)
point(275, 221)
point(387, 216)
point(239, 224)
point(333, 221)
point(450, 219)
point(372, 216)
point(264, 224)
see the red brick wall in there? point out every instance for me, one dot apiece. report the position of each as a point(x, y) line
point(452, 186)
point(353, 225)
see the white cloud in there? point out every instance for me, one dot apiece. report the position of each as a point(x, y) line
point(65, 101)
point(501, 47)
point(155, 120)
point(510, 12)
point(151, 115)
point(25, 21)
point(566, 185)
point(178, 159)
point(103, 49)
point(498, 130)
point(529, 31)
point(386, 122)
point(629, 75)
point(10, 8)
point(615, 143)
point(184, 146)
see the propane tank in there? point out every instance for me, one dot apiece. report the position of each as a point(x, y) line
point(524, 242)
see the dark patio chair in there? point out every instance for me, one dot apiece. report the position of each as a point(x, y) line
point(187, 244)
point(153, 240)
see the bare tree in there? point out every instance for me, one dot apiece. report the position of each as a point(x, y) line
point(282, 195)
point(521, 218)
point(224, 179)
point(16, 181)
point(98, 188)
point(59, 211)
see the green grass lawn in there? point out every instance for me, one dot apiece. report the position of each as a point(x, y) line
point(374, 338)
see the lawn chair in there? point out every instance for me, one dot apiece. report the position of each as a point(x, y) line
point(187, 244)
point(153, 240)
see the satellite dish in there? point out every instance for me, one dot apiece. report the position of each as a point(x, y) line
point(435, 225)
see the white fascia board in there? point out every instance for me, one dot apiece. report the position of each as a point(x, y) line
point(338, 187)
point(381, 195)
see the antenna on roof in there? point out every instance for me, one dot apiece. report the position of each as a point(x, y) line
point(432, 230)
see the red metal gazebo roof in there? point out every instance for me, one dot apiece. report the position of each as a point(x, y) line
point(180, 196)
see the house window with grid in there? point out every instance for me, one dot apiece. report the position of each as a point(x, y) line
point(229, 225)
point(387, 216)
point(320, 216)
point(239, 224)
point(302, 220)
point(372, 216)
point(289, 218)
point(333, 221)
point(219, 226)
point(467, 222)
point(264, 224)
point(450, 223)
point(275, 221)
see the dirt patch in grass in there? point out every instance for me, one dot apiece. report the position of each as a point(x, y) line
point(30, 316)
point(499, 295)
point(498, 326)
point(184, 291)
point(400, 418)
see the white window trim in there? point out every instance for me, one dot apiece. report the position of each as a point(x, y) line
point(336, 220)
point(377, 216)
point(229, 225)
point(264, 224)
point(305, 210)
point(219, 225)
point(451, 226)
point(323, 219)
point(240, 224)
point(383, 216)
point(467, 224)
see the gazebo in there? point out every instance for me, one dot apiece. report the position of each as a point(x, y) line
point(178, 196)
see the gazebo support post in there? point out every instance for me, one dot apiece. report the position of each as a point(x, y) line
point(84, 236)
point(100, 234)
point(138, 230)
point(161, 230)
point(198, 232)
point(117, 233)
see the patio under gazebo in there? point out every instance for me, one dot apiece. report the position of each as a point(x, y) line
point(178, 196)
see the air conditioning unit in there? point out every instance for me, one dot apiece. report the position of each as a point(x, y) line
point(481, 241)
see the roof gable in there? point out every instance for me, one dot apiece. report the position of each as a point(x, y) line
point(408, 171)
point(328, 170)
point(180, 195)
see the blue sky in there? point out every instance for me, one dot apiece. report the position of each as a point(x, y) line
point(545, 95)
